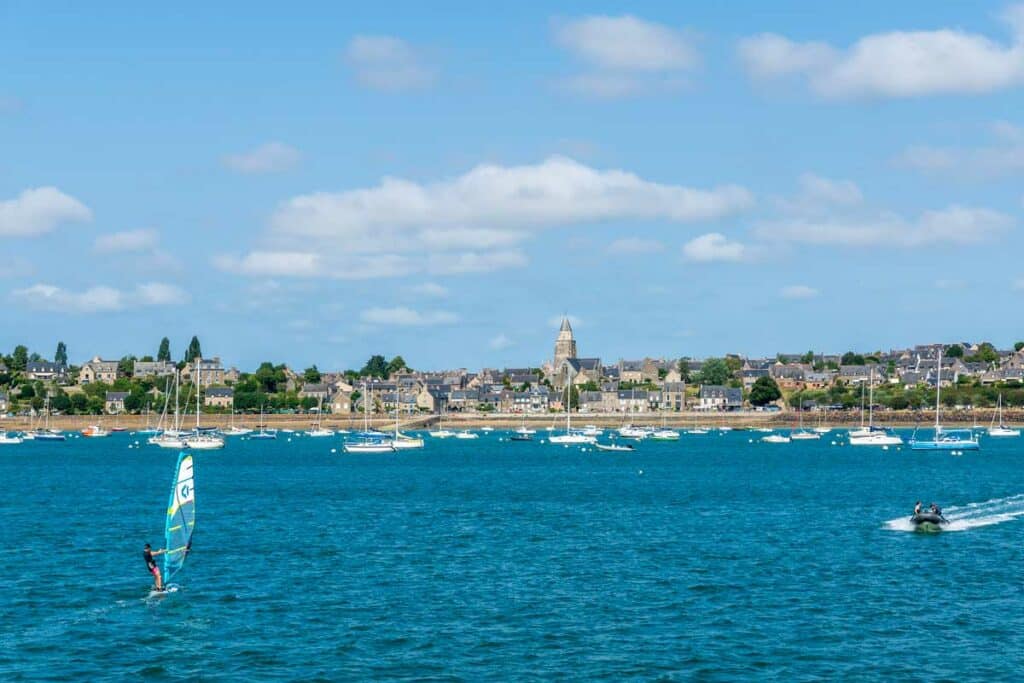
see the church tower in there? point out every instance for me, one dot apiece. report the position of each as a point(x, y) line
point(565, 344)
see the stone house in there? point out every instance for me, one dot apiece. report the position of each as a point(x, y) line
point(114, 402)
point(46, 371)
point(154, 368)
point(673, 396)
point(99, 370)
point(219, 397)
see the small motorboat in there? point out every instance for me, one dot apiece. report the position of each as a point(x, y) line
point(613, 447)
point(775, 438)
point(928, 521)
point(519, 436)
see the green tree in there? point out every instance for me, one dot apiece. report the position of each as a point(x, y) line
point(311, 375)
point(986, 354)
point(375, 367)
point(851, 358)
point(61, 356)
point(165, 350)
point(19, 359)
point(60, 403)
point(684, 369)
point(126, 366)
point(27, 392)
point(35, 357)
point(764, 391)
point(397, 363)
point(79, 403)
point(194, 350)
point(954, 351)
point(1018, 346)
point(807, 358)
point(715, 371)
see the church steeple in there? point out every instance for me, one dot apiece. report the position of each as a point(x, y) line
point(565, 344)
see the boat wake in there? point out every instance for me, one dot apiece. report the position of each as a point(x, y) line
point(971, 515)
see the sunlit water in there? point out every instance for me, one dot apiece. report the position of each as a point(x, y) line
point(712, 558)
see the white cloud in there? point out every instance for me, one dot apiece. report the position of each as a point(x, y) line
point(501, 342)
point(129, 240)
point(1005, 155)
point(954, 225)
point(625, 55)
point(39, 210)
point(99, 299)
point(1019, 283)
point(279, 263)
point(469, 223)
point(895, 63)
point(160, 294)
point(634, 245)
point(817, 188)
point(400, 316)
point(557, 191)
point(389, 64)
point(714, 247)
point(798, 292)
point(272, 157)
point(431, 289)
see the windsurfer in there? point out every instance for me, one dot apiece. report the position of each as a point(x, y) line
point(148, 554)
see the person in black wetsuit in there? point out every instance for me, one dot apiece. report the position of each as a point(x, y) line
point(148, 554)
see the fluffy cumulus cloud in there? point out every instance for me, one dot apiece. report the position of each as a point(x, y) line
point(833, 212)
point(798, 292)
point(388, 64)
point(144, 239)
point(40, 210)
point(714, 246)
point(625, 55)
point(272, 157)
point(99, 299)
point(944, 61)
point(401, 316)
point(475, 222)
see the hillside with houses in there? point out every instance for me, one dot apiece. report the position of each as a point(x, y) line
point(972, 375)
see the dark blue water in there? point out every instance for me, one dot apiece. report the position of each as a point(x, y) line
point(712, 558)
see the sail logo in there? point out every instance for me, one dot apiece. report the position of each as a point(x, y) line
point(185, 492)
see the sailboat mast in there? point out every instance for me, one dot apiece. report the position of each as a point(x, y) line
point(871, 399)
point(197, 395)
point(938, 391)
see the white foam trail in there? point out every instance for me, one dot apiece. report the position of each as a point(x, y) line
point(971, 515)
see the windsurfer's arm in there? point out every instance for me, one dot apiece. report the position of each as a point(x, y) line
point(159, 552)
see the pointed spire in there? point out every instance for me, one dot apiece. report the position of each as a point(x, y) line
point(566, 327)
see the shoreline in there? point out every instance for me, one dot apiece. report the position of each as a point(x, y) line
point(737, 420)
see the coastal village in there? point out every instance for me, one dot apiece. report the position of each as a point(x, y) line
point(902, 379)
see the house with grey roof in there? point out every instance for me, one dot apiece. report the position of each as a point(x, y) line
point(153, 368)
point(114, 402)
point(46, 371)
point(4, 403)
point(219, 397)
point(718, 397)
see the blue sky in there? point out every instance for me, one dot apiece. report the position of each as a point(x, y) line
point(319, 182)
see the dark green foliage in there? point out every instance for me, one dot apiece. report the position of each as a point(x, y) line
point(164, 353)
point(61, 356)
point(764, 391)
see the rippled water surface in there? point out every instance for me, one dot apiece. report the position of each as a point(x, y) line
point(713, 558)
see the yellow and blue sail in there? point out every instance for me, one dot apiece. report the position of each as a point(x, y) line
point(181, 517)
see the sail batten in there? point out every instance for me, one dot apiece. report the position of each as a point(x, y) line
point(181, 517)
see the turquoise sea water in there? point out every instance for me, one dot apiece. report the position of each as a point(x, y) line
point(708, 559)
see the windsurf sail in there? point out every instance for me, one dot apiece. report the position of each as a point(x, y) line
point(181, 518)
